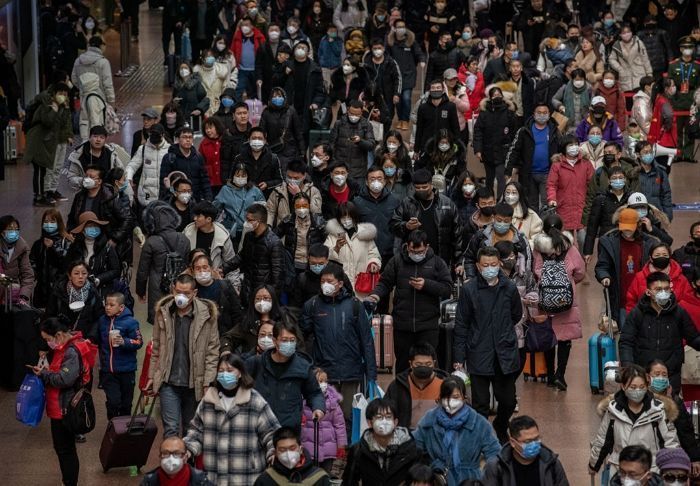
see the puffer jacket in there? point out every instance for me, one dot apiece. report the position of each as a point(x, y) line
point(568, 185)
point(197, 478)
point(261, 261)
point(93, 61)
point(679, 284)
point(47, 264)
point(611, 130)
point(213, 81)
point(656, 186)
point(494, 131)
point(641, 110)
point(447, 220)
point(415, 310)
point(340, 91)
point(353, 154)
point(430, 119)
point(192, 166)
point(112, 156)
point(104, 264)
point(160, 222)
point(278, 203)
point(688, 256)
point(407, 53)
point(107, 207)
point(658, 46)
point(359, 250)
point(600, 183)
point(234, 201)
point(286, 393)
point(17, 266)
point(332, 434)
point(265, 168)
point(85, 320)
point(378, 211)
point(62, 376)
point(287, 231)
point(148, 158)
point(617, 430)
point(92, 104)
point(631, 62)
point(567, 325)
point(500, 471)
point(122, 358)
point(485, 237)
point(600, 220)
point(399, 392)
point(614, 103)
point(192, 95)
point(283, 121)
point(221, 252)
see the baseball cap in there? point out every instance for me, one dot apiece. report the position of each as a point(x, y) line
point(636, 199)
point(598, 100)
point(629, 218)
point(450, 73)
point(150, 113)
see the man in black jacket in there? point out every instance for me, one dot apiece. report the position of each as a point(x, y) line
point(658, 46)
point(445, 56)
point(656, 329)
point(417, 389)
point(308, 283)
point(688, 256)
point(436, 113)
point(484, 337)
point(421, 279)
point(524, 96)
point(292, 464)
point(306, 90)
point(383, 71)
point(352, 139)
point(184, 157)
point(174, 447)
point(405, 49)
point(524, 460)
point(262, 165)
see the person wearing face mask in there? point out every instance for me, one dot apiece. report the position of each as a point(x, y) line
point(150, 118)
point(524, 459)
point(214, 76)
point(383, 71)
point(663, 131)
point(349, 14)
point(317, 24)
point(261, 164)
point(631, 416)
point(593, 148)
point(604, 208)
point(442, 434)
point(210, 236)
point(279, 203)
point(284, 377)
point(301, 229)
point(653, 180)
point(599, 116)
point(352, 139)
point(463, 194)
point(628, 57)
point(189, 89)
point(416, 390)
point(183, 363)
point(16, 263)
point(94, 151)
point(224, 55)
point(283, 125)
point(393, 148)
point(385, 453)
point(47, 254)
point(347, 82)
point(635, 465)
point(403, 46)
point(308, 282)
point(685, 72)
point(572, 99)
point(343, 345)
point(484, 207)
point(183, 157)
point(436, 113)
point(675, 467)
point(420, 280)
point(181, 201)
point(688, 255)
point(321, 160)
point(292, 463)
point(446, 55)
point(172, 119)
point(306, 89)
point(444, 157)
point(234, 197)
point(148, 160)
point(247, 46)
point(174, 469)
point(231, 407)
point(609, 88)
point(641, 340)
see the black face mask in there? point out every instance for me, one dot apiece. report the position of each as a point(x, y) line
point(488, 211)
point(599, 111)
point(573, 39)
point(608, 159)
point(448, 45)
point(423, 195)
point(155, 138)
point(498, 101)
point(508, 265)
point(422, 372)
point(660, 263)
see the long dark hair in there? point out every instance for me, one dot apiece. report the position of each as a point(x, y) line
point(524, 207)
point(552, 225)
point(344, 5)
point(245, 381)
point(252, 317)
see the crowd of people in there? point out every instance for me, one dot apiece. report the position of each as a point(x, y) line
point(291, 195)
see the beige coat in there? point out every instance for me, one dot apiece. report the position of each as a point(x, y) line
point(203, 344)
point(592, 66)
point(214, 80)
point(530, 226)
point(631, 62)
point(359, 251)
point(278, 204)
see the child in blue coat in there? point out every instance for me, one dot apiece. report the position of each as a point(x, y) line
point(119, 340)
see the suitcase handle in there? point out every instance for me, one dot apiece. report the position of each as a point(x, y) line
point(316, 437)
point(608, 311)
point(133, 415)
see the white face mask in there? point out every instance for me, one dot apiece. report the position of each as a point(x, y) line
point(630, 482)
point(263, 306)
point(291, 30)
point(184, 72)
point(172, 464)
point(452, 405)
point(245, 30)
point(89, 24)
point(608, 83)
point(383, 427)
point(289, 459)
point(377, 52)
point(303, 213)
point(328, 289)
point(274, 35)
point(511, 199)
point(444, 147)
point(339, 179)
point(347, 69)
point(353, 118)
point(181, 301)
point(184, 197)
point(203, 278)
point(240, 181)
point(300, 53)
point(347, 222)
point(579, 83)
point(323, 386)
point(89, 183)
point(392, 147)
point(572, 150)
point(316, 161)
point(687, 52)
point(266, 343)
point(376, 186)
point(257, 144)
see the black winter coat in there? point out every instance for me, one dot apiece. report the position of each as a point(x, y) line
point(658, 47)
point(485, 237)
point(197, 478)
point(229, 305)
point(107, 207)
point(265, 168)
point(450, 244)
point(399, 392)
point(273, 121)
point(85, 320)
point(494, 131)
point(288, 392)
point(386, 76)
point(287, 230)
point(308, 285)
point(441, 59)
point(353, 154)
point(314, 93)
point(500, 470)
point(648, 335)
point(48, 265)
point(103, 265)
point(407, 53)
point(328, 204)
point(485, 326)
point(379, 212)
point(415, 310)
point(430, 119)
point(192, 166)
point(192, 95)
point(600, 220)
point(357, 85)
point(688, 256)
point(684, 429)
point(261, 261)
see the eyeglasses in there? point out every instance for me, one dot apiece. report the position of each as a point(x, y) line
point(287, 340)
point(384, 417)
point(670, 478)
point(165, 454)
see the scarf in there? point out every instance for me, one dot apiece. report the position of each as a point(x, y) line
point(569, 104)
point(452, 425)
point(78, 295)
point(182, 478)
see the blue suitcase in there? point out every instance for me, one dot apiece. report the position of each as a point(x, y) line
point(601, 349)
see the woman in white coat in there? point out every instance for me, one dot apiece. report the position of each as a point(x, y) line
point(214, 76)
point(524, 219)
point(352, 244)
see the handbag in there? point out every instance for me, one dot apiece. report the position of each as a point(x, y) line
point(30, 401)
point(539, 334)
point(366, 281)
point(562, 121)
point(321, 118)
point(690, 371)
point(79, 416)
point(278, 146)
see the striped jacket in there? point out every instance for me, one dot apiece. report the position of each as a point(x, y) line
point(236, 444)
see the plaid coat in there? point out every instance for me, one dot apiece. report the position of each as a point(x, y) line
point(237, 444)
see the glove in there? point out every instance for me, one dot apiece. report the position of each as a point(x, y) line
point(340, 453)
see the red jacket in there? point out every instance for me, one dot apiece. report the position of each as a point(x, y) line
point(679, 285)
point(657, 132)
point(615, 103)
point(567, 186)
point(211, 151)
point(237, 43)
point(691, 304)
point(474, 96)
point(58, 370)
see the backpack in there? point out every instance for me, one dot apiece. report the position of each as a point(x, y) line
point(112, 122)
point(174, 265)
point(28, 121)
point(555, 290)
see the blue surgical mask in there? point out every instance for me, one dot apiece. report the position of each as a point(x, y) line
point(226, 102)
point(287, 348)
point(617, 184)
point(489, 273)
point(595, 139)
point(227, 379)
point(515, 55)
point(659, 384)
point(647, 159)
point(11, 236)
point(532, 449)
point(210, 60)
point(642, 212)
point(277, 101)
point(93, 232)
point(318, 268)
point(50, 228)
point(609, 22)
point(124, 186)
point(500, 227)
point(390, 171)
point(466, 36)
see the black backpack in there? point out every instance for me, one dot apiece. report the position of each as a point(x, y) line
point(174, 265)
point(28, 121)
point(556, 293)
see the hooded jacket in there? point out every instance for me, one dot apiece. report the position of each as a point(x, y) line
point(399, 391)
point(92, 103)
point(378, 211)
point(568, 186)
point(494, 131)
point(500, 472)
point(46, 131)
point(486, 237)
point(679, 284)
point(408, 54)
point(17, 266)
point(359, 250)
point(120, 359)
point(600, 183)
point(160, 222)
point(266, 168)
point(631, 62)
point(332, 434)
point(261, 260)
point(192, 166)
point(149, 158)
point(522, 149)
point(353, 154)
point(688, 256)
point(192, 94)
point(415, 310)
point(234, 201)
point(279, 203)
point(93, 61)
point(656, 186)
point(287, 392)
point(430, 119)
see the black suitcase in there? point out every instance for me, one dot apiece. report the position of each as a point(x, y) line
point(19, 344)
point(128, 439)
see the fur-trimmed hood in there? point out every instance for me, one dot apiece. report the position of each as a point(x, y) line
point(485, 104)
point(365, 231)
point(656, 216)
point(667, 404)
point(410, 38)
point(542, 242)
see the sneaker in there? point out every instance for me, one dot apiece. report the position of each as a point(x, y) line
point(42, 201)
point(80, 438)
point(58, 196)
point(49, 197)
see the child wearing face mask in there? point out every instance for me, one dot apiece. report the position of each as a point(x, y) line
point(332, 435)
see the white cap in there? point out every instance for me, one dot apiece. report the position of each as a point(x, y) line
point(636, 198)
point(597, 100)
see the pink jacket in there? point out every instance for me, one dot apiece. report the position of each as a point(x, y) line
point(567, 325)
point(332, 434)
point(567, 185)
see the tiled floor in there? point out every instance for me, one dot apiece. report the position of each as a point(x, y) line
point(567, 419)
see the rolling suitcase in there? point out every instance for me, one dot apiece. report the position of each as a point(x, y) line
point(535, 367)
point(10, 143)
point(316, 441)
point(383, 332)
point(693, 408)
point(601, 349)
point(446, 325)
point(128, 440)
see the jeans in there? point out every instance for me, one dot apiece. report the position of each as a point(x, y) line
point(177, 406)
point(64, 445)
point(503, 391)
point(404, 106)
point(53, 175)
point(246, 83)
point(403, 340)
point(536, 188)
point(496, 173)
point(119, 389)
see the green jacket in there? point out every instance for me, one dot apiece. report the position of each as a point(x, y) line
point(600, 181)
point(49, 128)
